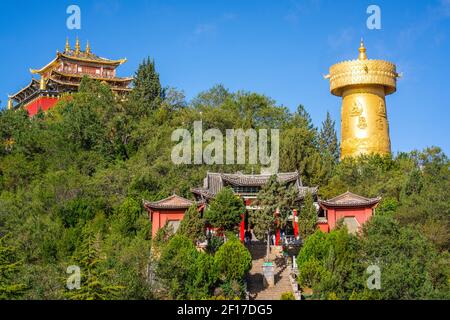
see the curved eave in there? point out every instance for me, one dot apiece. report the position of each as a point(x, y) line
point(203, 193)
point(45, 68)
point(99, 60)
point(371, 203)
point(14, 96)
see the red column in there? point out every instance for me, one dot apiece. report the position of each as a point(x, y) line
point(242, 228)
point(277, 237)
point(295, 223)
point(277, 232)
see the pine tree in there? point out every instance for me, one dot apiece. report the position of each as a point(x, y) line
point(328, 141)
point(299, 146)
point(9, 265)
point(193, 225)
point(307, 220)
point(147, 89)
point(92, 285)
point(225, 210)
point(273, 197)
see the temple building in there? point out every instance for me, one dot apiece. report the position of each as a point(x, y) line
point(171, 210)
point(246, 186)
point(168, 211)
point(363, 85)
point(353, 210)
point(350, 209)
point(63, 75)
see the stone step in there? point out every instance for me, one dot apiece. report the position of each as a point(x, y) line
point(255, 276)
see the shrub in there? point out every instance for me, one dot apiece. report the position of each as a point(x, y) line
point(192, 225)
point(225, 210)
point(287, 296)
point(233, 260)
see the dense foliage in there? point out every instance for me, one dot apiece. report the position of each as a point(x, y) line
point(307, 220)
point(187, 273)
point(88, 163)
point(9, 268)
point(337, 265)
point(225, 210)
point(193, 225)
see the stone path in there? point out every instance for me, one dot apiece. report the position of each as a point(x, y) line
point(255, 277)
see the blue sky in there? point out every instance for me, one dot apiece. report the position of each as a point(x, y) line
point(279, 48)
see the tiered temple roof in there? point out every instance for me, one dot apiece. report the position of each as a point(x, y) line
point(247, 184)
point(64, 74)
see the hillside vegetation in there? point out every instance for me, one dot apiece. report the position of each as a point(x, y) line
point(72, 182)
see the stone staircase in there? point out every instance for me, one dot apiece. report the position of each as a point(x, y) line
point(255, 286)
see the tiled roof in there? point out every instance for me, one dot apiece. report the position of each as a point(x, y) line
point(214, 182)
point(257, 180)
point(84, 56)
point(349, 199)
point(172, 202)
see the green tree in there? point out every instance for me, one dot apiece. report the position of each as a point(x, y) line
point(185, 272)
point(9, 268)
point(273, 197)
point(225, 210)
point(126, 217)
point(147, 90)
point(411, 267)
point(298, 146)
point(328, 141)
point(193, 225)
point(233, 260)
point(329, 264)
point(93, 284)
point(307, 219)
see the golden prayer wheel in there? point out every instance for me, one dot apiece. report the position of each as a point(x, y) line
point(363, 85)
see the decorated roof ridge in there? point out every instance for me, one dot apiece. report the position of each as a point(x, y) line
point(350, 199)
point(78, 55)
point(173, 202)
point(90, 57)
point(77, 75)
point(214, 182)
point(257, 179)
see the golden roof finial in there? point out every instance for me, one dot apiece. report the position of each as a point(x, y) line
point(362, 51)
point(77, 46)
point(67, 48)
point(88, 48)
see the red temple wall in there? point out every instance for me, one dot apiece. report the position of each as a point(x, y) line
point(159, 218)
point(361, 215)
point(43, 103)
point(324, 227)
